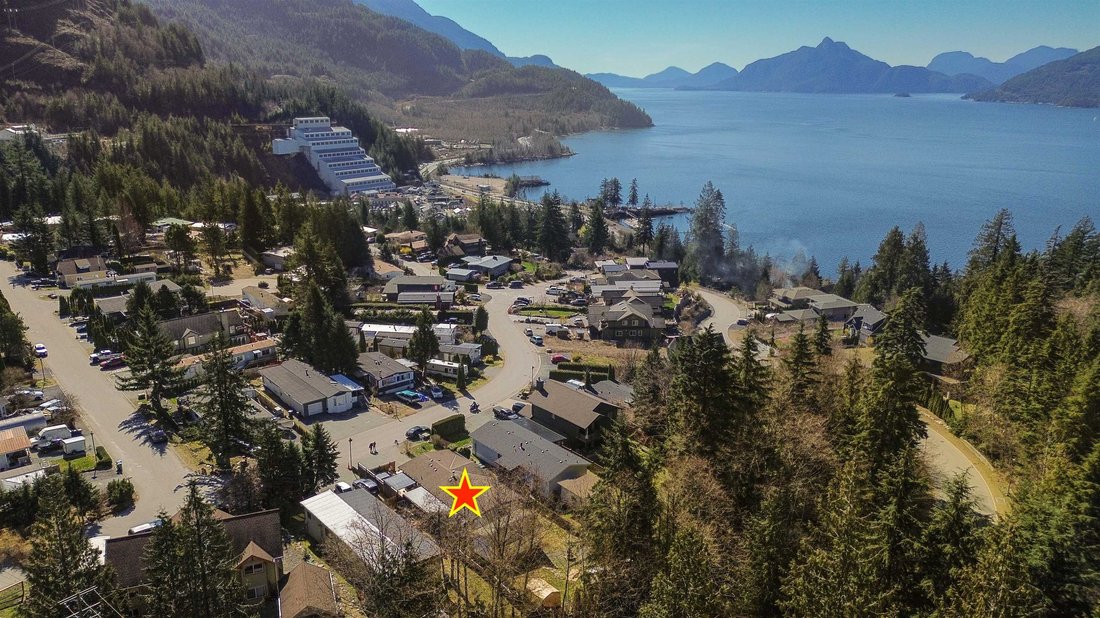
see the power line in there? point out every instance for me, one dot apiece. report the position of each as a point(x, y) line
point(87, 603)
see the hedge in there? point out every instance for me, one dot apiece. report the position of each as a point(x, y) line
point(564, 375)
point(608, 370)
point(450, 428)
point(464, 317)
point(103, 459)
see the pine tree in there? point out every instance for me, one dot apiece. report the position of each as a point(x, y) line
point(216, 244)
point(750, 375)
point(950, 540)
point(889, 421)
point(880, 281)
point(481, 320)
point(632, 196)
point(140, 297)
point(61, 562)
point(282, 470)
point(998, 583)
point(644, 233)
point(409, 218)
point(576, 219)
point(823, 344)
point(321, 458)
point(316, 333)
point(596, 233)
point(178, 239)
point(82, 495)
point(845, 285)
point(994, 238)
point(460, 378)
point(253, 224)
point(424, 344)
point(222, 402)
point(549, 229)
point(321, 266)
point(705, 241)
point(149, 355)
point(801, 368)
point(688, 586)
point(650, 395)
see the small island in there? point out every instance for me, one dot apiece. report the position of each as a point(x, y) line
point(904, 95)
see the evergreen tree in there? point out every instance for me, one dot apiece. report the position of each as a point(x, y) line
point(995, 237)
point(880, 281)
point(409, 219)
point(222, 402)
point(702, 393)
point(316, 334)
point(282, 470)
point(890, 422)
point(650, 395)
point(141, 296)
point(216, 244)
point(167, 593)
point(688, 586)
point(644, 233)
point(149, 355)
point(61, 562)
point(597, 234)
point(845, 285)
point(632, 196)
point(481, 320)
point(460, 378)
point(167, 304)
point(552, 236)
point(322, 267)
point(82, 495)
point(424, 344)
point(950, 540)
point(750, 375)
point(253, 224)
point(801, 369)
point(771, 544)
point(823, 341)
point(997, 584)
point(320, 455)
point(37, 242)
point(576, 219)
point(706, 245)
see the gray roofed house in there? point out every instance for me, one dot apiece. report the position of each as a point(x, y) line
point(631, 319)
point(363, 523)
point(940, 353)
point(168, 284)
point(385, 519)
point(511, 447)
point(442, 299)
point(792, 298)
point(543, 432)
point(632, 275)
point(614, 392)
point(306, 390)
point(795, 316)
point(490, 265)
point(461, 274)
point(383, 374)
point(114, 307)
point(194, 332)
point(833, 307)
point(453, 351)
point(636, 263)
point(416, 283)
point(668, 271)
point(866, 321)
point(576, 414)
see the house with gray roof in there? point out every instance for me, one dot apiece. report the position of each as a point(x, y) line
point(306, 390)
point(384, 375)
point(364, 524)
point(508, 446)
point(941, 354)
point(490, 265)
point(416, 284)
point(798, 297)
point(195, 332)
point(865, 322)
point(833, 307)
point(631, 319)
point(576, 414)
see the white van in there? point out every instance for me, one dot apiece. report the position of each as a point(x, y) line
point(55, 432)
point(153, 525)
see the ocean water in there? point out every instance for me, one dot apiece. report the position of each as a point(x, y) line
point(830, 174)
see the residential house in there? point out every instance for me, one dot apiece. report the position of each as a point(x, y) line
point(17, 132)
point(462, 274)
point(833, 307)
point(434, 469)
point(384, 375)
point(618, 394)
point(510, 447)
point(454, 351)
point(83, 272)
point(113, 307)
point(636, 263)
point(15, 448)
point(578, 415)
point(436, 300)
point(364, 524)
point(629, 320)
point(278, 258)
point(668, 271)
point(443, 368)
point(162, 225)
point(30, 422)
point(416, 284)
point(447, 333)
point(609, 266)
point(458, 246)
point(784, 299)
point(306, 390)
point(650, 291)
point(942, 354)
point(406, 238)
point(631, 275)
point(256, 539)
point(543, 432)
point(796, 316)
point(386, 271)
point(243, 356)
point(575, 492)
point(491, 266)
point(267, 303)
point(195, 332)
point(865, 322)
point(309, 592)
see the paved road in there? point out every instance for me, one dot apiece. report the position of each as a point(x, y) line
point(948, 455)
point(726, 312)
point(522, 360)
point(154, 470)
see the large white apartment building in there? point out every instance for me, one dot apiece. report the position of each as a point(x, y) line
point(335, 153)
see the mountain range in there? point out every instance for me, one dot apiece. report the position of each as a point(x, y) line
point(833, 67)
point(960, 62)
point(672, 77)
point(1072, 82)
point(412, 12)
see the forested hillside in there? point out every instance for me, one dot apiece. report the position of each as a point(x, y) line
point(386, 61)
point(1073, 82)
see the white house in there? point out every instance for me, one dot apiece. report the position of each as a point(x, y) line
point(384, 375)
point(305, 390)
point(335, 154)
point(243, 356)
point(447, 333)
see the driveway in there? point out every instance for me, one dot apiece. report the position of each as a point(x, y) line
point(155, 471)
point(726, 312)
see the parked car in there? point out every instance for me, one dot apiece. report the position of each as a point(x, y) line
point(518, 406)
point(146, 527)
point(494, 285)
point(408, 397)
point(416, 432)
point(342, 487)
point(559, 358)
point(116, 360)
point(368, 484)
point(437, 392)
point(503, 414)
point(536, 339)
point(158, 436)
point(515, 284)
point(95, 357)
point(474, 297)
point(30, 393)
point(40, 350)
point(580, 302)
point(528, 332)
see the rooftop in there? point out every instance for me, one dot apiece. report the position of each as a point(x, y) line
point(521, 448)
point(308, 592)
point(574, 406)
point(366, 525)
point(379, 365)
point(15, 439)
point(301, 382)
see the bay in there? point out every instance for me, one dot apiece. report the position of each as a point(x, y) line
point(830, 174)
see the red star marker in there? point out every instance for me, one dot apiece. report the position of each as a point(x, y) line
point(465, 495)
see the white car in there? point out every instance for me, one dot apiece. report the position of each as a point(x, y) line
point(40, 350)
point(474, 297)
point(437, 392)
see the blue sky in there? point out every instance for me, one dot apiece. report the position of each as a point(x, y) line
point(637, 37)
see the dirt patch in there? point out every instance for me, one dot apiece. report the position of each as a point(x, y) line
point(597, 352)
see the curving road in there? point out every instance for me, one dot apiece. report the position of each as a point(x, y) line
point(155, 470)
point(726, 312)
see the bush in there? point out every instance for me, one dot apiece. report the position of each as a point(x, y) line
point(13, 547)
point(120, 495)
point(103, 459)
point(451, 428)
point(607, 370)
point(564, 375)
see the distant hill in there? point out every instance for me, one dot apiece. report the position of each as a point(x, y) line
point(1073, 82)
point(672, 77)
point(537, 60)
point(960, 62)
point(411, 12)
point(833, 67)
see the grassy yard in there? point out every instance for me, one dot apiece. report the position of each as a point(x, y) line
point(547, 312)
point(530, 267)
point(81, 464)
point(195, 455)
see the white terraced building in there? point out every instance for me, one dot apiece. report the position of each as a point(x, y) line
point(335, 153)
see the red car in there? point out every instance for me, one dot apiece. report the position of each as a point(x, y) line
point(559, 358)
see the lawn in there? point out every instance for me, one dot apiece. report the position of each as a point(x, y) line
point(530, 267)
point(81, 464)
point(547, 312)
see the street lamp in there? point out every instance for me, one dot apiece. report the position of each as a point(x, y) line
point(349, 455)
point(95, 468)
